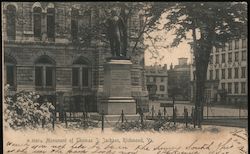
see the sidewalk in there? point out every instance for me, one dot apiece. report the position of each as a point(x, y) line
point(189, 103)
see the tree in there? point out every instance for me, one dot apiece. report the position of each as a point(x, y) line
point(23, 111)
point(211, 24)
point(89, 30)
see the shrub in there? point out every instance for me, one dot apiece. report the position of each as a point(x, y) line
point(23, 111)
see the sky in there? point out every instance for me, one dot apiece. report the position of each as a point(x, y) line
point(168, 56)
point(165, 55)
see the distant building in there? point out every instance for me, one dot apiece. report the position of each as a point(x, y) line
point(226, 74)
point(179, 80)
point(157, 81)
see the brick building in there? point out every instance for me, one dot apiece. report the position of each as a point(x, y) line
point(226, 74)
point(41, 52)
point(157, 81)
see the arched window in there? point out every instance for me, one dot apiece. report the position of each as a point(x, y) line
point(51, 24)
point(81, 73)
point(11, 22)
point(74, 23)
point(44, 72)
point(37, 23)
point(10, 71)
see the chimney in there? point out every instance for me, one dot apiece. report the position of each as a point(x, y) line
point(182, 61)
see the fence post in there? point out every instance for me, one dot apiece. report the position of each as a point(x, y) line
point(185, 115)
point(102, 120)
point(159, 114)
point(83, 118)
point(122, 116)
point(174, 115)
point(66, 122)
point(164, 111)
point(43, 122)
point(53, 121)
point(141, 119)
point(239, 111)
point(152, 109)
point(193, 116)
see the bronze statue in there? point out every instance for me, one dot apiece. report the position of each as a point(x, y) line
point(117, 34)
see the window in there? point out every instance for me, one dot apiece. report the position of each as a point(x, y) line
point(244, 55)
point(151, 79)
point(11, 22)
point(224, 47)
point(216, 59)
point(75, 75)
point(51, 24)
point(147, 79)
point(10, 71)
point(37, 26)
point(162, 88)
point(38, 75)
point(10, 74)
point(236, 44)
point(81, 73)
point(229, 57)
point(211, 59)
point(236, 87)
point(223, 58)
point(229, 73)
point(85, 77)
point(162, 79)
point(243, 72)
point(217, 49)
point(49, 76)
point(243, 87)
point(86, 22)
point(217, 74)
point(211, 74)
point(222, 85)
point(244, 43)
point(222, 73)
point(229, 88)
point(45, 73)
point(74, 24)
point(154, 78)
point(87, 18)
point(236, 73)
point(230, 46)
point(236, 56)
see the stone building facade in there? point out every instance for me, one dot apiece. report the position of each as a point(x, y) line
point(157, 82)
point(179, 80)
point(227, 74)
point(41, 53)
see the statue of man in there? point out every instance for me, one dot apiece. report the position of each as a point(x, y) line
point(117, 35)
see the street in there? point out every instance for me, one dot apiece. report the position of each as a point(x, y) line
point(212, 111)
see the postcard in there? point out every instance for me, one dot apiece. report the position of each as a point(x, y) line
point(124, 77)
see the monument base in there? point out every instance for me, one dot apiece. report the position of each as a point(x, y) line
point(115, 105)
point(117, 88)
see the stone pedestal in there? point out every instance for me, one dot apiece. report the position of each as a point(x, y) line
point(117, 88)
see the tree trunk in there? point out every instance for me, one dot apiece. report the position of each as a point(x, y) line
point(200, 88)
point(201, 62)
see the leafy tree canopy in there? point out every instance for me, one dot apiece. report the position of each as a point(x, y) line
point(217, 22)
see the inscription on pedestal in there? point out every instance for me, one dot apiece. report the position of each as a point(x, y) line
point(117, 80)
point(117, 88)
